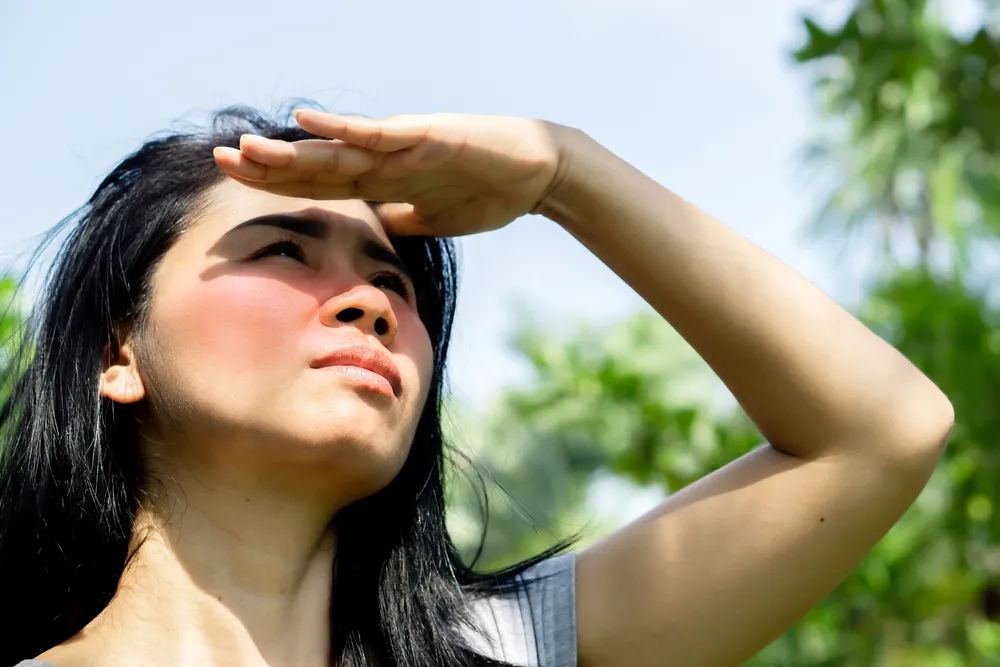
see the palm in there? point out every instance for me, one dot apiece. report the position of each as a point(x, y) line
point(437, 174)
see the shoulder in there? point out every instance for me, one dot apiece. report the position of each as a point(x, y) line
point(534, 626)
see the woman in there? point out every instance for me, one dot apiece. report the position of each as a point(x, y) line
point(197, 406)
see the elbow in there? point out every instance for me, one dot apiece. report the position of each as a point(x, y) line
point(924, 430)
point(941, 422)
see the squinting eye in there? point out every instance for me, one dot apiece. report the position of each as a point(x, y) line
point(276, 248)
point(396, 282)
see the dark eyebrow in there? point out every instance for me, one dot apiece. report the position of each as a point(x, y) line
point(317, 229)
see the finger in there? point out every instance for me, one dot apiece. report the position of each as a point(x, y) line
point(401, 219)
point(388, 134)
point(303, 190)
point(310, 155)
point(238, 165)
point(375, 191)
point(233, 162)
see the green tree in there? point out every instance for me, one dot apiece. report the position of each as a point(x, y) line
point(11, 328)
point(913, 145)
point(634, 400)
point(910, 150)
point(910, 143)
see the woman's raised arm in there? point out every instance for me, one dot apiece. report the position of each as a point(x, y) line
point(726, 565)
point(854, 430)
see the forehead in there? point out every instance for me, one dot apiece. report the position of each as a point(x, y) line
point(230, 203)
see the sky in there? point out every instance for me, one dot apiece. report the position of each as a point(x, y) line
point(700, 95)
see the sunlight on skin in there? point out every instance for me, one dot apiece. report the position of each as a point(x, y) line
point(258, 450)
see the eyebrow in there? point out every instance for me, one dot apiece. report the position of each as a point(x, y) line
point(317, 229)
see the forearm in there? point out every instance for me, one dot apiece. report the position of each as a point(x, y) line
point(810, 376)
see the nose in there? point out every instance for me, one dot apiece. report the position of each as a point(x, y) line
point(364, 306)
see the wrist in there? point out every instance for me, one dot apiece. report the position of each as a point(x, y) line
point(561, 198)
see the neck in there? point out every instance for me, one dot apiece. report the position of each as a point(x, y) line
point(231, 575)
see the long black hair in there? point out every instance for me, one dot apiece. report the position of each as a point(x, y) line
point(71, 476)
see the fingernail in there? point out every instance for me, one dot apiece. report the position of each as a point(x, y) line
point(222, 150)
point(314, 112)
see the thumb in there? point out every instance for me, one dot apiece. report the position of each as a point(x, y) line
point(401, 219)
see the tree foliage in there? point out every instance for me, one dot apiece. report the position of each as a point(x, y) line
point(11, 329)
point(910, 149)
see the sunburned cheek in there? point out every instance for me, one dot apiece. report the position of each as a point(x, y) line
point(247, 323)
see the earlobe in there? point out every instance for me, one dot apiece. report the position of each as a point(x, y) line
point(120, 380)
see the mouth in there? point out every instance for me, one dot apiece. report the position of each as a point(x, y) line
point(367, 365)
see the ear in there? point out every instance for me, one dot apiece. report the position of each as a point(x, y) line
point(120, 380)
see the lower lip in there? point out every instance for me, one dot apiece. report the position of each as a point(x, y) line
point(363, 378)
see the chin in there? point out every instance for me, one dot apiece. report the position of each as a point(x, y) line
point(351, 449)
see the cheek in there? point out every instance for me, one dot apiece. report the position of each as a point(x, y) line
point(237, 323)
point(421, 355)
point(413, 339)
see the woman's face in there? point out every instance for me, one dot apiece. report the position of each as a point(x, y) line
point(237, 328)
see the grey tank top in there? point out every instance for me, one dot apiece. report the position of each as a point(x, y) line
point(534, 628)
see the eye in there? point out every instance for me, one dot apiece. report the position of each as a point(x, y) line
point(292, 248)
point(396, 282)
point(287, 246)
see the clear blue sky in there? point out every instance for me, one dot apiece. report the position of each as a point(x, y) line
point(702, 96)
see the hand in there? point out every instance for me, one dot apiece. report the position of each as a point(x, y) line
point(442, 174)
